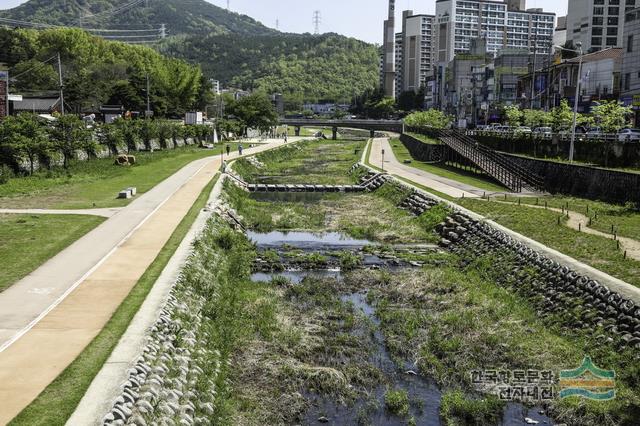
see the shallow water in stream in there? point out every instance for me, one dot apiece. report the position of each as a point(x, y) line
point(424, 394)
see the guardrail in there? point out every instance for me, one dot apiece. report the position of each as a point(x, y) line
point(605, 137)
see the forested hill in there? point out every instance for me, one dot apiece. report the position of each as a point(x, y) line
point(180, 16)
point(304, 66)
point(230, 47)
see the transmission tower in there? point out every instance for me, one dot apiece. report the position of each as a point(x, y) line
point(277, 24)
point(316, 22)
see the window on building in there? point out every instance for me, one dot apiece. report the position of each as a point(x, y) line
point(596, 41)
point(612, 31)
point(598, 1)
point(614, 2)
point(596, 31)
point(631, 2)
point(612, 20)
point(598, 10)
point(627, 81)
point(630, 43)
point(597, 20)
point(612, 41)
point(614, 11)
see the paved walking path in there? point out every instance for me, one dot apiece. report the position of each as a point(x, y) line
point(392, 166)
point(444, 185)
point(48, 318)
point(580, 222)
point(110, 212)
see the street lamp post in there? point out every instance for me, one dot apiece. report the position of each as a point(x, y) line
point(577, 97)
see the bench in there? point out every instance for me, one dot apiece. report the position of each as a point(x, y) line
point(128, 193)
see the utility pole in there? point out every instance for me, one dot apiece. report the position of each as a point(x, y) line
point(575, 105)
point(163, 30)
point(148, 112)
point(533, 79)
point(61, 85)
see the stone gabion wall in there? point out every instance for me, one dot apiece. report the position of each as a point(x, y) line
point(423, 151)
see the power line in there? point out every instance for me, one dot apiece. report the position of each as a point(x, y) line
point(39, 66)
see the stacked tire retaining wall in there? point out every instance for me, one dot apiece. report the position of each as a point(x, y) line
point(558, 283)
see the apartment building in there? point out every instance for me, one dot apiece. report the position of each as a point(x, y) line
point(503, 24)
point(597, 24)
point(415, 52)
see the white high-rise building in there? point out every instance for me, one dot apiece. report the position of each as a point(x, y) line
point(597, 24)
point(503, 24)
point(415, 52)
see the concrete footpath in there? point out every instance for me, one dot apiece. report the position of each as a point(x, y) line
point(392, 166)
point(49, 317)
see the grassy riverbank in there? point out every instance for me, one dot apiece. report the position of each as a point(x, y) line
point(96, 183)
point(28, 241)
point(58, 401)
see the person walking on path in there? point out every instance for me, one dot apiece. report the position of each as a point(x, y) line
point(228, 150)
point(240, 149)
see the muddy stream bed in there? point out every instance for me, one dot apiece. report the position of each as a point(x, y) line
point(300, 256)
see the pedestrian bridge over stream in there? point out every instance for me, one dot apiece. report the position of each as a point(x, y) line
point(395, 126)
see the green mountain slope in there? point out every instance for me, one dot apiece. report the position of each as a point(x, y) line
point(232, 48)
point(311, 68)
point(180, 16)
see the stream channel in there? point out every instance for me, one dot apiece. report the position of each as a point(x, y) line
point(423, 392)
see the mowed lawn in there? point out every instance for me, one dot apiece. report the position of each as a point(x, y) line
point(96, 183)
point(28, 241)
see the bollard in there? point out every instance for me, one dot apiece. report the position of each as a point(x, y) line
point(519, 201)
point(618, 244)
point(612, 228)
point(615, 236)
point(587, 208)
point(484, 194)
point(559, 220)
point(505, 197)
point(537, 200)
point(625, 254)
point(545, 204)
point(580, 227)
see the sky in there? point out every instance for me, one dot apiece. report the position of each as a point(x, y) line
point(361, 19)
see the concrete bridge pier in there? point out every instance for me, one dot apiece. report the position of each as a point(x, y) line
point(297, 130)
point(335, 133)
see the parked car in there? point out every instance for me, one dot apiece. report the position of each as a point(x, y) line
point(594, 133)
point(543, 131)
point(522, 129)
point(629, 135)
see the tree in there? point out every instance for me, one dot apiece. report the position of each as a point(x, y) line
point(112, 137)
point(513, 115)
point(383, 108)
point(611, 116)
point(536, 118)
point(255, 111)
point(430, 118)
point(24, 136)
point(562, 117)
point(68, 135)
point(407, 101)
